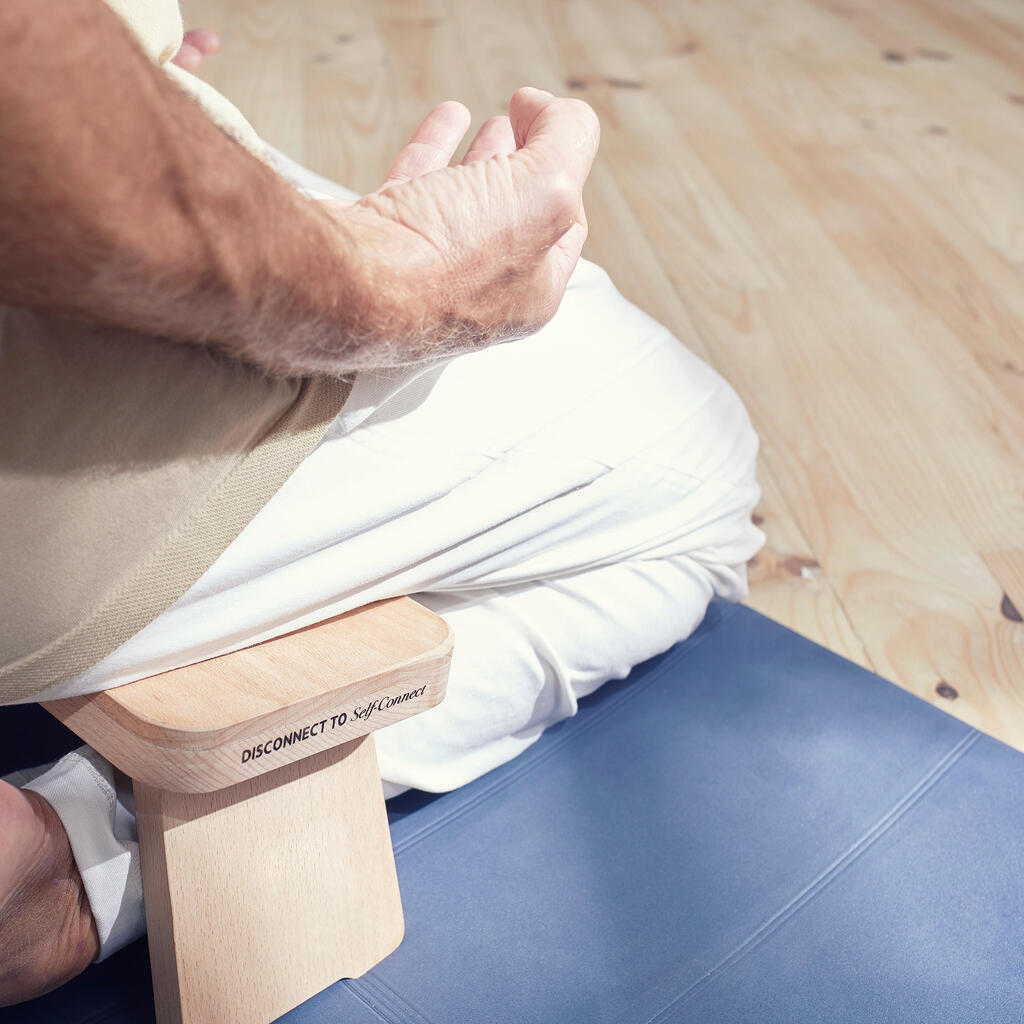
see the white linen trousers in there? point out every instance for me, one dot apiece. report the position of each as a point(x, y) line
point(569, 503)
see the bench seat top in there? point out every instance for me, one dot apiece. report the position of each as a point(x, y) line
point(223, 720)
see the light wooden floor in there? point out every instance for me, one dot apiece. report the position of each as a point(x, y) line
point(823, 198)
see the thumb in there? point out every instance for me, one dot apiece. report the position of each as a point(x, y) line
point(556, 141)
point(563, 131)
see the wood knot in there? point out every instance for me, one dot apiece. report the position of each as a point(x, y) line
point(943, 689)
point(808, 568)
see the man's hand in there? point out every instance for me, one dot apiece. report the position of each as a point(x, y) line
point(198, 44)
point(456, 258)
point(121, 203)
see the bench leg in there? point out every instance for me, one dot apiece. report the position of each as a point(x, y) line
point(260, 895)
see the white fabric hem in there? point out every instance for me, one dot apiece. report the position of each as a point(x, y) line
point(82, 789)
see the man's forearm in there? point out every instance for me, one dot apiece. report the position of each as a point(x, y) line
point(122, 203)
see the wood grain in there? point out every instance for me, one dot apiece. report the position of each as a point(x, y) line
point(820, 197)
point(217, 722)
point(264, 893)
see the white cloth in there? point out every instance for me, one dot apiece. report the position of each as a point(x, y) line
point(569, 502)
point(97, 810)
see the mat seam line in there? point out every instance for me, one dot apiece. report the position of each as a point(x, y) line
point(392, 1003)
point(824, 880)
point(376, 989)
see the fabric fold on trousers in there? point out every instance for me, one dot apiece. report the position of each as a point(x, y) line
point(569, 502)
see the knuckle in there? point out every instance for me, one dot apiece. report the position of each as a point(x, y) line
point(563, 197)
point(543, 310)
point(583, 112)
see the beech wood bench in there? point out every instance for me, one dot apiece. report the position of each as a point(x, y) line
point(746, 828)
point(266, 855)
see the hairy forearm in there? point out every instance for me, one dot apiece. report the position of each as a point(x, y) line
point(122, 203)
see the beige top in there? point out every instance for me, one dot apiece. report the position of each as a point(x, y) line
point(128, 463)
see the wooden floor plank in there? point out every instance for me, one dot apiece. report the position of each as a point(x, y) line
point(819, 197)
point(351, 127)
point(789, 584)
point(264, 77)
point(866, 428)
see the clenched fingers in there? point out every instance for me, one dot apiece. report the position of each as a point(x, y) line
point(495, 136)
point(565, 132)
point(432, 145)
point(196, 44)
point(557, 140)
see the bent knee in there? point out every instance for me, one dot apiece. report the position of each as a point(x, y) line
point(718, 451)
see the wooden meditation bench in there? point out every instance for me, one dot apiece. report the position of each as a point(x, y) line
point(266, 854)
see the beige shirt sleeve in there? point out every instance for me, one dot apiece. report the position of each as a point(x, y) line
point(157, 26)
point(128, 463)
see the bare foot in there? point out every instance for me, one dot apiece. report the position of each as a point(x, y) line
point(47, 933)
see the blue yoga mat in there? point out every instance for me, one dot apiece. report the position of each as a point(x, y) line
point(747, 829)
